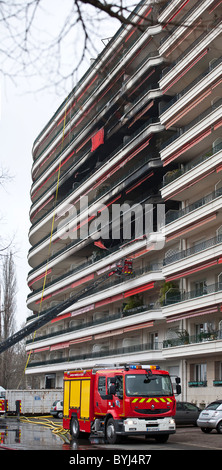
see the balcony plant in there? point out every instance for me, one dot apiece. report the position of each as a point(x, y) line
point(183, 336)
point(133, 302)
point(165, 288)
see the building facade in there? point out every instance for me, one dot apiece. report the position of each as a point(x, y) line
point(140, 132)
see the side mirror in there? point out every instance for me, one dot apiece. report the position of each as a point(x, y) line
point(178, 389)
point(177, 380)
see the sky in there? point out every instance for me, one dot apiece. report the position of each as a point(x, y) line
point(24, 112)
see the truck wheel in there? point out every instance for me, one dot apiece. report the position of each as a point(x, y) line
point(74, 428)
point(111, 435)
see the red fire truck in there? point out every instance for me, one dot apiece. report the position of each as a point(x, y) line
point(120, 401)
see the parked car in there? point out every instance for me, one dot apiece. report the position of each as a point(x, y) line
point(211, 417)
point(186, 413)
point(57, 409)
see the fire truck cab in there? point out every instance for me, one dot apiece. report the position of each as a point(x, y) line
point(119, 401)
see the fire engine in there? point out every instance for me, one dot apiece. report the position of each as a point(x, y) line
point(111, 402)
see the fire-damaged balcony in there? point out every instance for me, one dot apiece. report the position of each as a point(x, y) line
point(86, 113)
point(135, 146)
point(142, 107)
point(127, 107)
point(72, 279)
point(101, 67)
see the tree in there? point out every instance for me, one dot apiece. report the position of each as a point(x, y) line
point(50, 40)
point(8, 307)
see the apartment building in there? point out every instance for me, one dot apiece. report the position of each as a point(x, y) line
point(142, 129)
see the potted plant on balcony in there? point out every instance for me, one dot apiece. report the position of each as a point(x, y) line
point(183, 336)
point(133, 302)
point(166, 288)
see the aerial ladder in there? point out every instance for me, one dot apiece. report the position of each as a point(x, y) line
point(123, 267)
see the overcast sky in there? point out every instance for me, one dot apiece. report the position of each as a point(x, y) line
point(23, 115)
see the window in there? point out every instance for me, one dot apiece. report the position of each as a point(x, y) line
point(154, 340)
point(206, 327)
point(200, 288)
point(102, 385)
point(139, 385)
point(200, 372)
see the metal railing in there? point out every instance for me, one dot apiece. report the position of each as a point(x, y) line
point(174, 174)
point(172, 215)
point(178, 296)
point(193, 339)
point(137, 348)
point(99, 321)
point(193, 249)
point(191, 124)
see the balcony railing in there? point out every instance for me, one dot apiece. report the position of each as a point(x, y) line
point(178, 296)
point(91, 69)
point(98, 321)
point(193, 339)
point(191, 47)
point(172, 215)
point(156, 267)
point(193, 250)
point(174, 174)
point(191, 85)
point(191, 124)
point(137, 348)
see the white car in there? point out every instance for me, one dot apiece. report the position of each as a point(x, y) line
point(57, 409)
point(211, 417)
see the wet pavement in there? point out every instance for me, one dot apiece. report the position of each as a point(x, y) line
point(19, 435)
point(29, 434)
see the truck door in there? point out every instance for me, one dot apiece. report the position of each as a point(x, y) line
point(119, 397)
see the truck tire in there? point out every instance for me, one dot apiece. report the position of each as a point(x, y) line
point(74, 428)
point(111, 436)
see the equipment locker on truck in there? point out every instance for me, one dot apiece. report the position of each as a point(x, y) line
point(120, 401)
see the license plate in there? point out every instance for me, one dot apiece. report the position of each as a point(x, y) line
point(152, 429)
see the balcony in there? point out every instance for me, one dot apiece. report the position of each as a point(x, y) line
point(138, 138)
point(112, 183)
point(135, 352)
point(173, 215)
point(105, 82)
point(134, 316)
point(190, 346)
point(191, 55)
point(178, 296)
point(193, 339)
point(194, 303)
point(192, 89)
point(173, 175)
point(184, 24)
point(193, 250)
point(149, 273)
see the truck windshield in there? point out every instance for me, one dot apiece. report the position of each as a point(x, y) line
point(158, 385)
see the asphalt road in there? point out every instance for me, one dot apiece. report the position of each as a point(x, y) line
point(15, 435)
